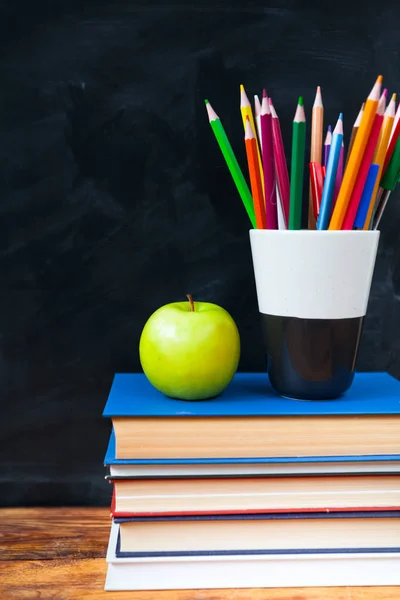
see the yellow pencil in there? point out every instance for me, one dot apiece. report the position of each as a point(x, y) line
point(355, 158)
point(245, 109)
point(380, 152)
point(317, 125)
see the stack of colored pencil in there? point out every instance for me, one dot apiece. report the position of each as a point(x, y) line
point(345, 192)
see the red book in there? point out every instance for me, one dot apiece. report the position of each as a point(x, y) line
point(246, 495)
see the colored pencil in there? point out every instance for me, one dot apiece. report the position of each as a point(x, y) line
point(396, 120)
point(282, 175)
point(384, 95)
point(388, 183)
point(281, 216)
point(297, 167)
point(391, 177)
point(257, 111)
point(327, 145)
point(392, 145)
point(245, 109)
point(353, 165)
point(366, 197)
point(380, 153)
point(339, 175)
point(354, 131)
point(367, 159)
point(231, 162)
point(317, 185)
point(268, 164)
point(330, 179)
point(255, 175)
point(381, 208)
point(317, 124)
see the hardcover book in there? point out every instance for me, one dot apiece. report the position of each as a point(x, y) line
point(248, 421)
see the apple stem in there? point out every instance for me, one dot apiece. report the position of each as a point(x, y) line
point(189, 297)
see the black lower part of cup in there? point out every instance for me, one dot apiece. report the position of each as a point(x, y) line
point(311, 359)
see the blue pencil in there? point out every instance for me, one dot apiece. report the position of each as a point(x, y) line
point(366, 197)
point(330, 177)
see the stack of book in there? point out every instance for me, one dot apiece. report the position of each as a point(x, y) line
point(254, 490)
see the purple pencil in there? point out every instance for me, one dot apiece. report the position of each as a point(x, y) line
point(339, 175)
point(327, 145)
point(268, 164)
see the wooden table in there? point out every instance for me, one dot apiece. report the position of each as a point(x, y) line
point(58, 554)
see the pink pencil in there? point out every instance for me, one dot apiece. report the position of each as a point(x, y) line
point(364, 167)
point(282, 174)
point(268, 164)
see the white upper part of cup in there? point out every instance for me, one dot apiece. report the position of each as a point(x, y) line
point(313, 274)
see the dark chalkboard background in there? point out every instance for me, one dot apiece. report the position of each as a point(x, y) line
point(115, 199)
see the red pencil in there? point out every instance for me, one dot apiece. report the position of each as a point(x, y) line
point(282, 175)
point(268, 164)
point(255, 176)
point(317, 184)
point(355, 197)
point(392, 143)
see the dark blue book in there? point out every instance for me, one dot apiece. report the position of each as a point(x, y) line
point(290, 533)
point(250, 422)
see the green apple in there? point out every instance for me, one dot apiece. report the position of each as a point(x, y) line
point(190, 350)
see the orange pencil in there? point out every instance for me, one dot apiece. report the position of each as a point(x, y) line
point(247, 113)
point(380, 152)
point(316, 148)
point(356, 155)
point(255, 176)
point(354, 131)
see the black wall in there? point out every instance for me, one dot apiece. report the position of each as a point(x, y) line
point(115, 200)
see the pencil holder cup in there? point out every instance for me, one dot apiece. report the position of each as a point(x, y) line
point(312, 289)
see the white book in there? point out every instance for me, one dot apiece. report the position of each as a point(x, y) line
point(237, 470)
point(249, 571)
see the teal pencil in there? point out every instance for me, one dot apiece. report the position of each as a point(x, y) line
point(297, 168)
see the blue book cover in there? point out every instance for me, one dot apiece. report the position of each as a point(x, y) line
point(249, 394)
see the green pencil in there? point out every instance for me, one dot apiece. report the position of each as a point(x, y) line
point(389, 181)
point(297, 168)
point(232, 163)
point(391, 175)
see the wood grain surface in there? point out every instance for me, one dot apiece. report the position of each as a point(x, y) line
point(59, 554)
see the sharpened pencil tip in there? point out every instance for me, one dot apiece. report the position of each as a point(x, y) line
point(318, 99)
point(264, 93)
point(328, 137)
point(339, 125)
point(301, 103)
point(244, 101)
point(375, 93)
point(212, 115)
point(249, 134)
point(272, 109)
point(206, 102)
